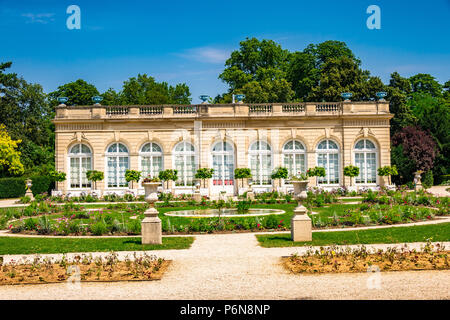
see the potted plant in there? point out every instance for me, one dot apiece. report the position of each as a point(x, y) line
point(133, 176)
point(94, 176)
point(57, 176)
point(351, 171)
point(242, 173)
point(168, 175)
point(203, 174)
point(388, 171)
point(280, 173)
point(316, 172)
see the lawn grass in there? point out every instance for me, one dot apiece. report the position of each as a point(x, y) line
point(438, 232)
point(28, 245)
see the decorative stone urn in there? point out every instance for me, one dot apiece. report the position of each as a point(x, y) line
point(28, 193)
point(151, 225)
point(301, 229)
point(197, 194)
point(418, 180)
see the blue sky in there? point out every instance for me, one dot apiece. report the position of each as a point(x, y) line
point(189, 41)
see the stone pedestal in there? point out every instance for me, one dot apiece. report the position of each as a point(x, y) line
point(151, 227)
point(28, 193)
point(197, 196)
point(301, 229)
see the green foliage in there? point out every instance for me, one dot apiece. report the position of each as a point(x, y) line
point(388, 171)
point(94, 176)
point(427, 179)
point(242, 173)
point(280, 173)
point(133, 176)
point(168, 175)
point(203, 174)
point(57, 175)
point(143, 89)
point(316, 172)
point(12, 187)
point(78, 92)
point(351, 171)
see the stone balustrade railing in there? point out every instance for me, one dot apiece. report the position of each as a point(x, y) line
point(308, 109)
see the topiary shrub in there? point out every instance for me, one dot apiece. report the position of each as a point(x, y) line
point(12, 187)
point(41, 184)
point(427, 179)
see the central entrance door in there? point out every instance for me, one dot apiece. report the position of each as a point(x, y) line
point(223, 165)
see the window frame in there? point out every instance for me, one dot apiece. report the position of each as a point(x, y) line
point(259, 153)
point(117, 155)
point(365, 151)
point(327, 152)
point(80, 155)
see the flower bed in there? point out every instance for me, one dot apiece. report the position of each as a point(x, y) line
point(84, 268)
point(339, 260)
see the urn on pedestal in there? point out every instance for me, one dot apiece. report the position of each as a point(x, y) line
point(301, 228)
point(151, 225)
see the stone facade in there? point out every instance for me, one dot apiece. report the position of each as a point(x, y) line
point(344, 123)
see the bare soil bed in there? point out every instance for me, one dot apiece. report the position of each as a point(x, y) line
point(331, 260)
point(85, 269)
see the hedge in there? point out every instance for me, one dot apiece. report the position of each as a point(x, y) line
point(15, 187)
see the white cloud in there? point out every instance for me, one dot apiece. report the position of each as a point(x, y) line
point(43, 18)
point(206, 54)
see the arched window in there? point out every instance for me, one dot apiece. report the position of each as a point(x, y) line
point(365, 154)
point(151, 159)
point(223, 164)
point(184, 158)
point(80, 160)
point(260, 157)
point(328, 157)
point(294, 157)
point(117, 163)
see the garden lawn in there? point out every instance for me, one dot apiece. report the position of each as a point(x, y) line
point(28, 245)
point(437, 232)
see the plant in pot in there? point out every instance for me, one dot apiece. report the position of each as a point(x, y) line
point(57, 176)
point(203, 174)
point(351, 171)
point(132, 176)
point(168, 175)
point(242, 173)
point(280, 173)
point(316, 172)
point(94, 176)
point(388, 171)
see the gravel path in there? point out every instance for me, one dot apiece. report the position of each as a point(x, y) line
point(233, 266)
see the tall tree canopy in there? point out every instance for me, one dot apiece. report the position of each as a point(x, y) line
point(27, 116)
point(79, 93)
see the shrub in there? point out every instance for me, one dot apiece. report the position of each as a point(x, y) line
point(427, 179)
point(12, 187)
point(41, 184)
point(351, 171)
point(271, 222)
point(243, 206)
point(134, 227)
point(98, 228)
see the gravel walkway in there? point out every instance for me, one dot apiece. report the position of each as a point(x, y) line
point(233, 266)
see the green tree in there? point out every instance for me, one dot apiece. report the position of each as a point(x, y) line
point(388, 171)
point(78, 92)
point(143, 89)
point(168, 175)
point(280, 173)
point(425, 83)
point(133, 176)
point(203, 174)
point(9, 156)
point(94, 176)
point(351, 171)
point(242, 173)
point(258, 67)
point(339, 75)
point(27, 116)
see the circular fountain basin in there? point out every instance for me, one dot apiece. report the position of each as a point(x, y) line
point(210, 213)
